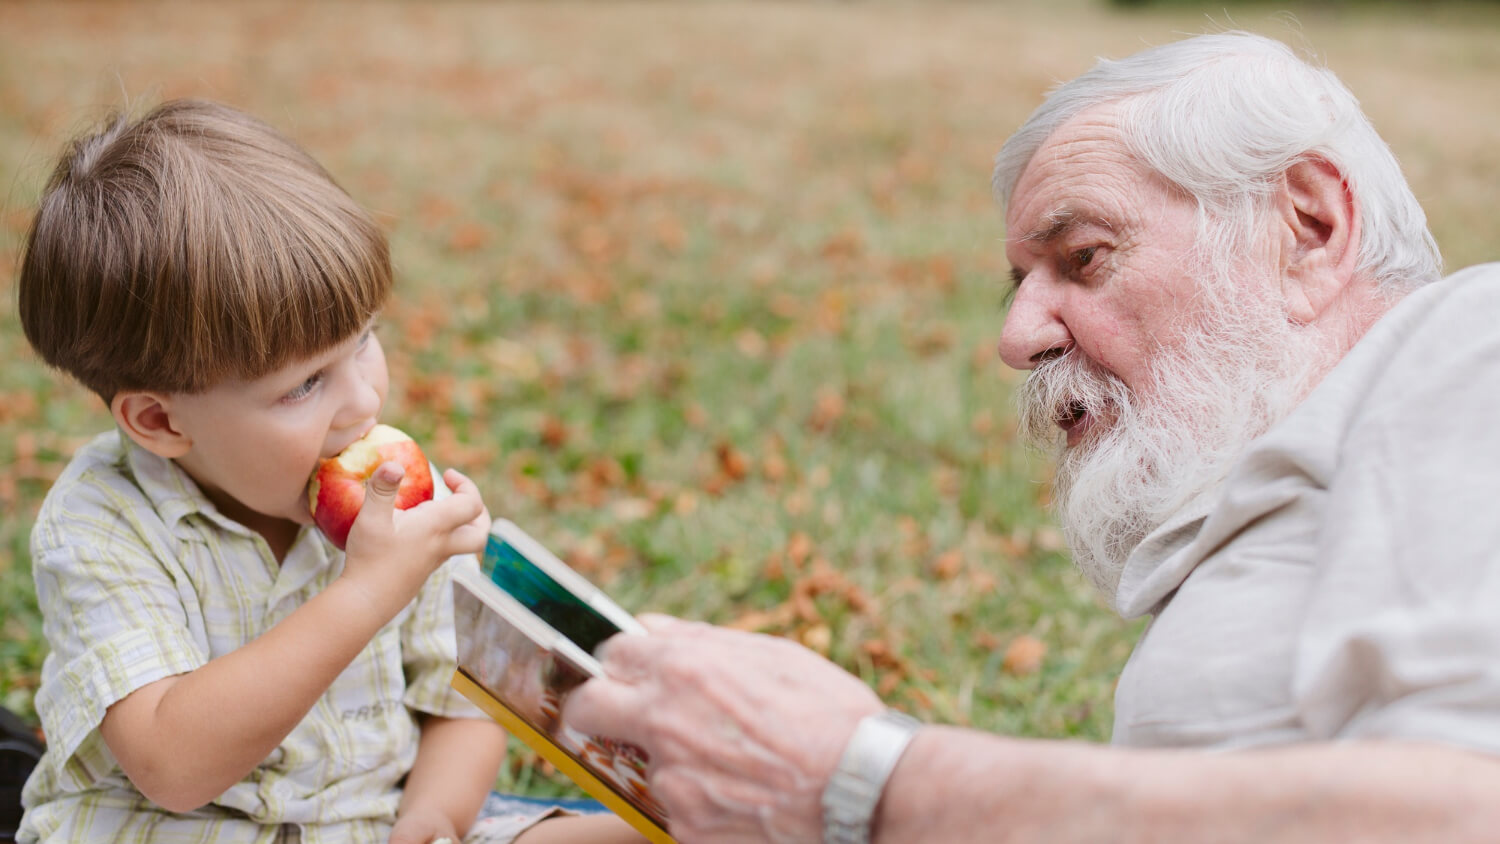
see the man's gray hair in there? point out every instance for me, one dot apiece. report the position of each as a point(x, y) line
point(1222, 116)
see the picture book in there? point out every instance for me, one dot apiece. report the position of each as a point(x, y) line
point(527, 626)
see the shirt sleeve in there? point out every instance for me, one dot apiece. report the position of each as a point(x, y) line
point(113, 617)
point(428, 648)
point(1401, 637)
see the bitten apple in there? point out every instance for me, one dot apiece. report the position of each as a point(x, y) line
point(337, 489)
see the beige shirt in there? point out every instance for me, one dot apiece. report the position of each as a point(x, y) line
point(1345, 581)
point(139, 577)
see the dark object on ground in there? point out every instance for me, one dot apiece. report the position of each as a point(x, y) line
point(20, 749)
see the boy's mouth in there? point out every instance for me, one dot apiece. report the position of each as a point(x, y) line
point(363, 430)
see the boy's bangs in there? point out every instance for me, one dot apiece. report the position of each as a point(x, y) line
point(296, 268)
point(312, 281)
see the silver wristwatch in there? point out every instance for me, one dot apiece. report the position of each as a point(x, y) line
point(854, 791)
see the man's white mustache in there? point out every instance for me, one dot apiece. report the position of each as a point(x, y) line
point(1067, 387)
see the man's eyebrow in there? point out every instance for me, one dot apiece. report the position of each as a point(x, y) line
point(1061, 222)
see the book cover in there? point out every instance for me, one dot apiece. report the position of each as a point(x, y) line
point(526, 626)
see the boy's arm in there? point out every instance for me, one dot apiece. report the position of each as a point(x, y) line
point(184, 740)
point(457, 762)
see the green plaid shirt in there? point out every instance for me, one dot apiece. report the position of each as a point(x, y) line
point(139, 577)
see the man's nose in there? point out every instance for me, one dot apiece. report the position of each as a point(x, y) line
point(1034, 327)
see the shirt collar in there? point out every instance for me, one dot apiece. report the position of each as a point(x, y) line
point(1162, 560)
point(172, 492)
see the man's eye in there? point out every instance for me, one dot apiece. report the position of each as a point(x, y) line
point(1084, 257)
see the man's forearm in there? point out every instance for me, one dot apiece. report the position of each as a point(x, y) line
point(958, 785)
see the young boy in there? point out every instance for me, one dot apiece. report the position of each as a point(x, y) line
point(219, 671)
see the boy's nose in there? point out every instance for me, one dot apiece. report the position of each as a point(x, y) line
point(361, 402)
point(365, 403)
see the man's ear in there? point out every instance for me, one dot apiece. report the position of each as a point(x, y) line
point(146, 417)
point(1319, 225)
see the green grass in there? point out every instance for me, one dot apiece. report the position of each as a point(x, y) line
point(704, 296)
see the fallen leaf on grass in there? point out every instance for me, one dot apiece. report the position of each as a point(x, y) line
point(798, 549)
point(732, 461)
point(18, 405)
point(827, 411)
point(468, 237)
point(751, 343)
point(554, 432)
point(1024, 655)
point(632, 509)
point(758, 621)
point(826, 580)
point(817, 637)
point(774, 467)
point(948, 564)
point(848, 243)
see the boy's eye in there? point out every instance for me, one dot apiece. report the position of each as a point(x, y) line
point(303, 389)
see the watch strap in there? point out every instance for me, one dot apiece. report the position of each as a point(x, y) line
point(854, 790)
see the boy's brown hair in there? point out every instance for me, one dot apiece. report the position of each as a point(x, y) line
point(194, 245)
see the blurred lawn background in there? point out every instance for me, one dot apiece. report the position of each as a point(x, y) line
point(705, 295)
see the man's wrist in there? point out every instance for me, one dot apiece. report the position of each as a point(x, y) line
point(853, 792)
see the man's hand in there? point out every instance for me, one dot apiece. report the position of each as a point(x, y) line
point(743, 730)
point(420, 826)
point(390, 553)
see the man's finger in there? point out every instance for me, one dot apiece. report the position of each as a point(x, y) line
point(631, 657)
point(659, 623)
point(607, 707)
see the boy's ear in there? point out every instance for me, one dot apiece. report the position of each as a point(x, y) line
point(1319, 229)
point(146, 417)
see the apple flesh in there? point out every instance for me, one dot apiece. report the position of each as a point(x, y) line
point(337, 489)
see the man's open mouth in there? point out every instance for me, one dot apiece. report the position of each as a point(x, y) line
point(1074, 419)
point(1070, 414)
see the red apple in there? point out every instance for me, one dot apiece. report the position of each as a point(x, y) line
point(337, 489)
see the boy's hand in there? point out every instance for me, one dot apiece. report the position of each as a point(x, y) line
point(423, 827)
point(391, 553)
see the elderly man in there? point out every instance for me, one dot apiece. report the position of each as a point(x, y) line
point(1278, 439)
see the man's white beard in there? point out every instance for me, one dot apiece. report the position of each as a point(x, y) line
point(1240, 370)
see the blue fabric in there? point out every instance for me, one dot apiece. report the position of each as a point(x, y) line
point(497, 804)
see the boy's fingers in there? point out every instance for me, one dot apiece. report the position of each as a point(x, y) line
point(460, 519)
point(458, 481)
point(380, 492)
point(460, 508)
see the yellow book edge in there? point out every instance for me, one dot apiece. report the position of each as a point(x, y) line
point(560, 758)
